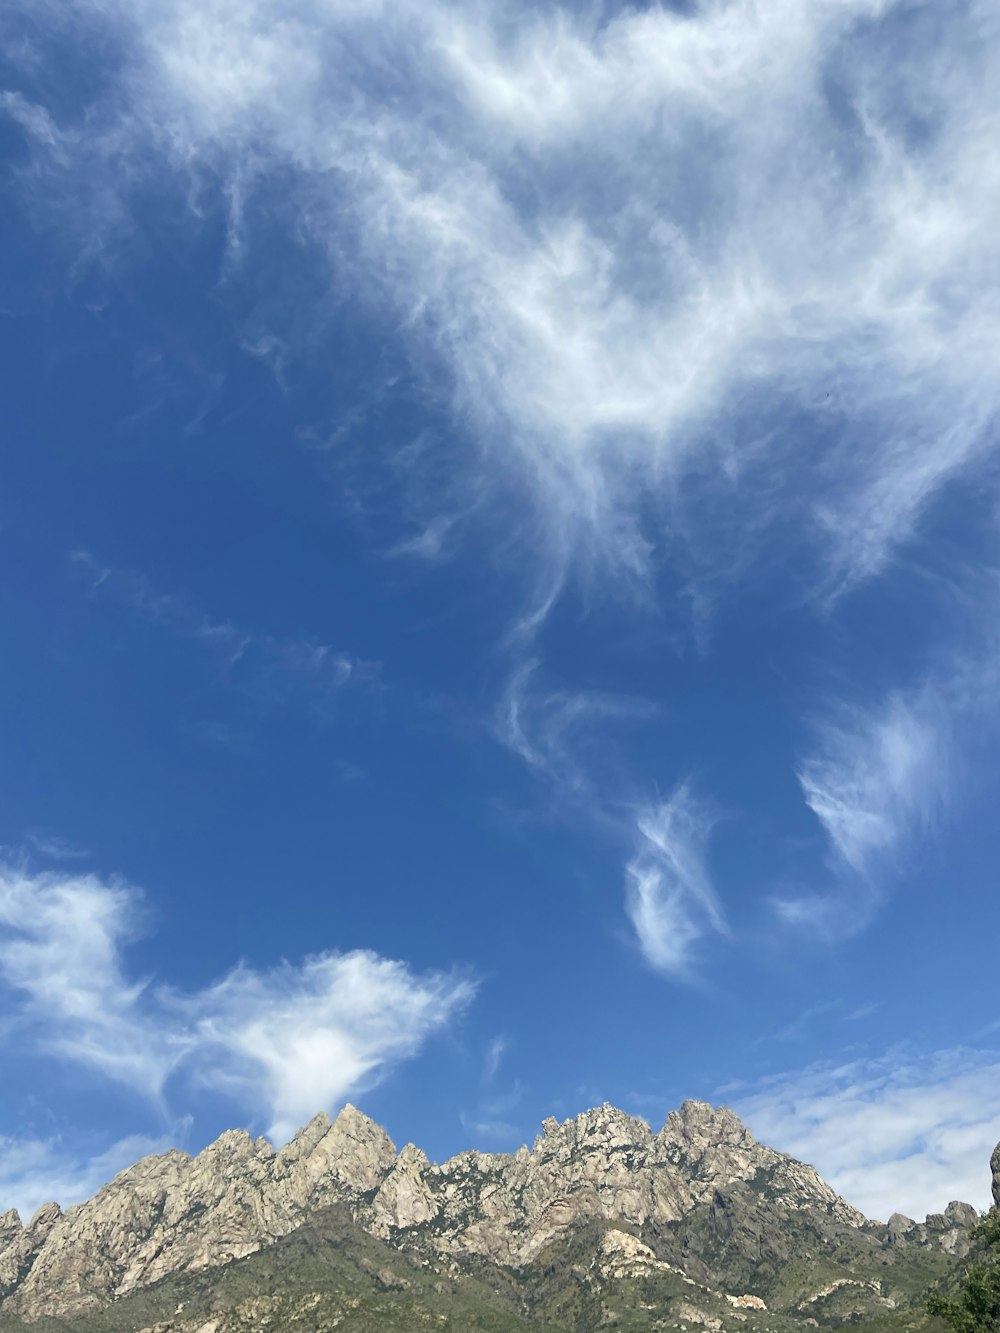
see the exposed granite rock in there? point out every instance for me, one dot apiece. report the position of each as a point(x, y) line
point(604, 1164)
point(692, 1314)
point(995, 1167)
point(20, 1246)
point(898, 1227)
point(621, 1254)
point(948, 1231)
point(172, 1213)
point(404, 1198)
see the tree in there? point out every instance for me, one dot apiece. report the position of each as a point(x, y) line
point(977, 1307)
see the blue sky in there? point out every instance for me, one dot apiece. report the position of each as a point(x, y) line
point(499, 505)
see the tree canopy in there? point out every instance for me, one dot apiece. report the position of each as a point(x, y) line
point(976, 1309)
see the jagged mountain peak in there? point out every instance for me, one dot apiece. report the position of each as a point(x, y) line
point(171, 1212)
point(701, 1122)
point(604, 1124)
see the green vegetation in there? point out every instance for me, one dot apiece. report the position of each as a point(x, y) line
point(976, 1307)
point(330, 1274)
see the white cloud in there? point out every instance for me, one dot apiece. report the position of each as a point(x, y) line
point(694, 283)
point(881, 777)
point(299, 1038)
point(896, 1134)
point(671, 901)
point(284, 1043)
point(639, 246)
point(874, 777)
point(61, 940)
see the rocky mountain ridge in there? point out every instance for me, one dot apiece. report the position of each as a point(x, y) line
point(173, 1213)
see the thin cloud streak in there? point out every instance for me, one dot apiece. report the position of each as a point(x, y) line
point(876, 781)
point(671, 901)
point(880, 778)
point(556, 731)
point(495, 1053)
point(272, 670)
point(873, 777)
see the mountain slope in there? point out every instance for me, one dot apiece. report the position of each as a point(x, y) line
point(711, 1210)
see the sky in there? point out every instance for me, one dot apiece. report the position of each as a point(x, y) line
point(499, 510)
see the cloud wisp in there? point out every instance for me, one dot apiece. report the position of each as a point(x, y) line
point(899, 1133)
point(874, 776)
point(882, 777)
point(562, 736)
point(671, 901)
point(61, 944)
point(271, 670)
point(283, 1042)
point(651, 252)
point(876, 779)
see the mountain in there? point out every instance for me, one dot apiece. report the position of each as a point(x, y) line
point(698, 1225)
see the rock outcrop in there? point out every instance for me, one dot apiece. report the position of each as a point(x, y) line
point(995, 1167)
point(948, 1231)
point(173, 1213)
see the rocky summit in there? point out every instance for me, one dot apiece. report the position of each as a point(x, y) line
point(711, 1227)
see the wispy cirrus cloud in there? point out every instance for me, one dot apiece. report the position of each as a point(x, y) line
point(896, 1133)
point(563, 737)
point(282, 1042)
point(563, 734)
point(877, 780)
point(874, 776)
point(490, 1121)
point(882, 776)
point(693, 287)
point(281, 671)
point(604, 229)
point(671, 900)
point(495, 1052)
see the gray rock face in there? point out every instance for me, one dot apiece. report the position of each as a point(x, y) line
point(172, 1213)
point(995, 1167)
point(948, 1231)
point(19, 1245)
point(898, 1227)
